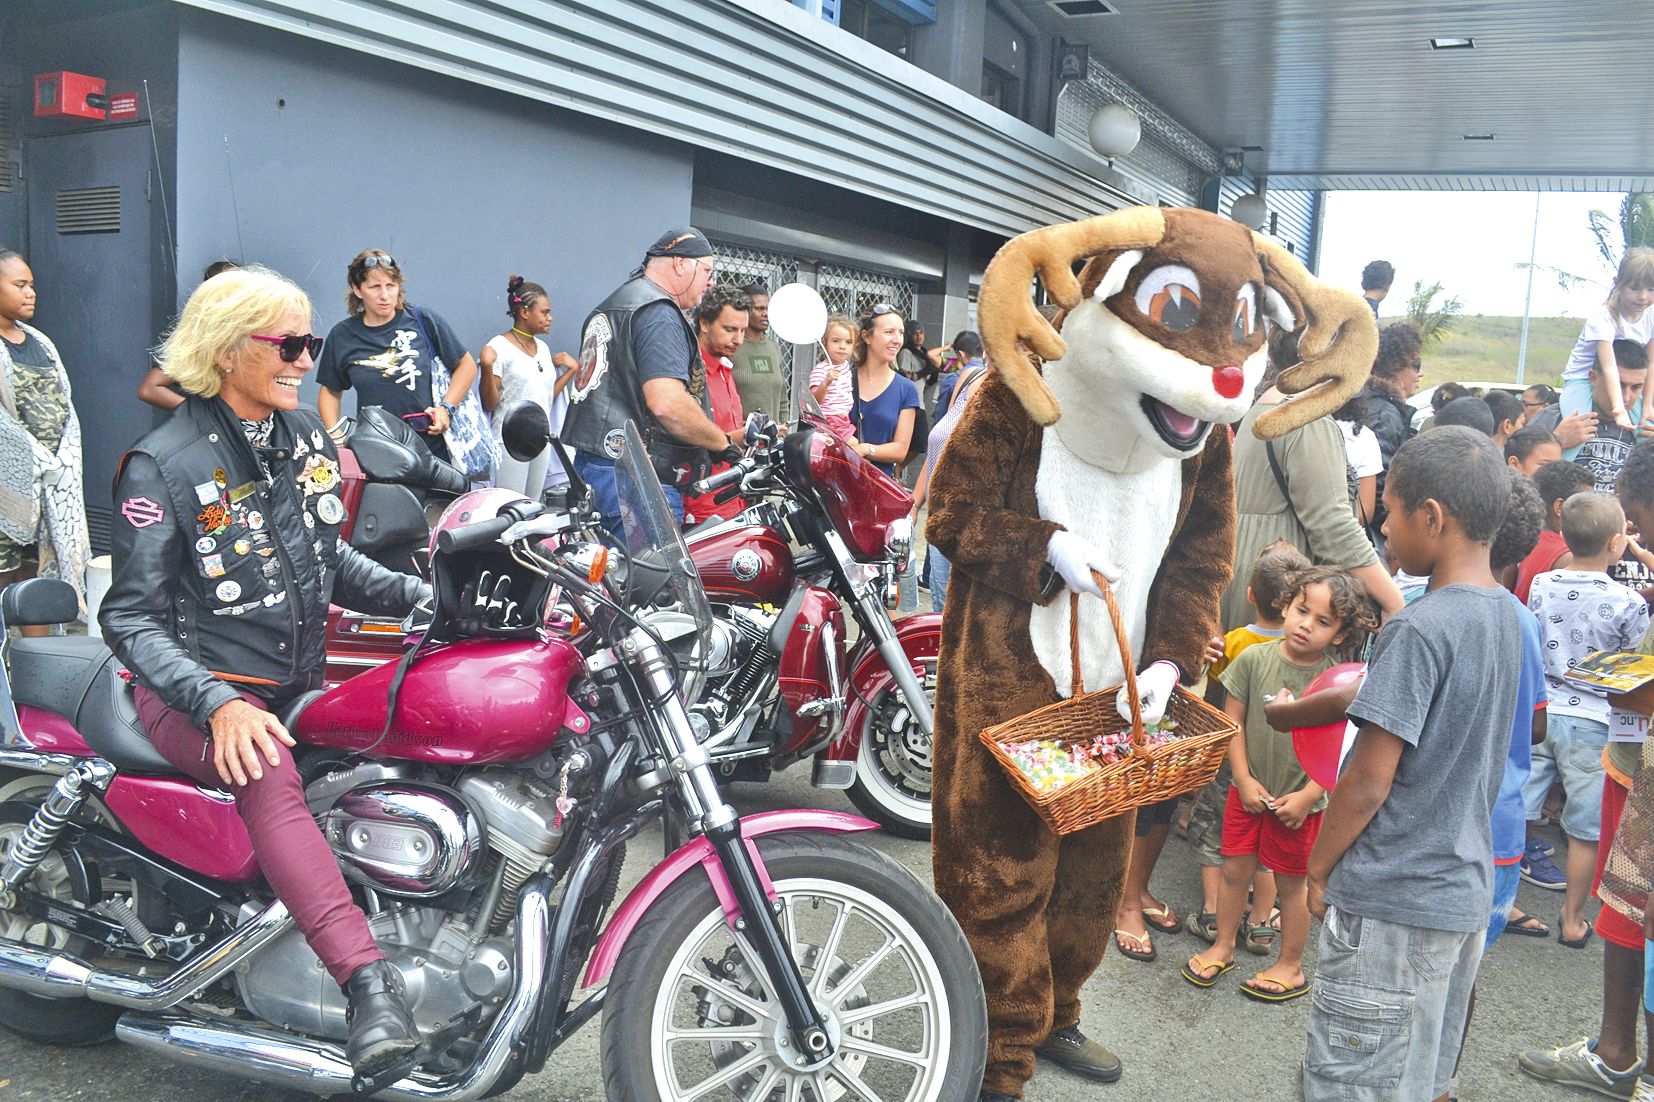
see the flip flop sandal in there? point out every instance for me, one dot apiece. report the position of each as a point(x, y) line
point(1203, 925)
point(1285, 994)
point(1144, 951)
point(1194, 977)
point(1163, 918)
point(1578, 943)
point(1527, 926)
point(1260, 940)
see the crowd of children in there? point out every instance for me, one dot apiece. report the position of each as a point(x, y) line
point(1517, 552)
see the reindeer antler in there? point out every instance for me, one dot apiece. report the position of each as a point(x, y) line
point(1338, 345)
point(1012, 326)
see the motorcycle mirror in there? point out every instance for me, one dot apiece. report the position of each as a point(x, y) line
point(797, 314)
point(525, 430)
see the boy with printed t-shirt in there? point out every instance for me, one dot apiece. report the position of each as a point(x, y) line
point(1403, 868)
point(1580, 609)
point(1607, 1062)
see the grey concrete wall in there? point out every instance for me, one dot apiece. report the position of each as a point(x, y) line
point(298, 155)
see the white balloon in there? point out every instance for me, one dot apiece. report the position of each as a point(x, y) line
point(797, 314)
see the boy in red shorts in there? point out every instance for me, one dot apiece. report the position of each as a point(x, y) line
point(1274, 810)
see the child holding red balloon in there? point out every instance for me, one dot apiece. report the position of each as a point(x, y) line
point(1273, 812)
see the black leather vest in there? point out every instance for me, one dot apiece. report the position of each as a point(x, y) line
point(605, 392)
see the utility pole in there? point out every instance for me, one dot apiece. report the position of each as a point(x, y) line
point(1527, 300)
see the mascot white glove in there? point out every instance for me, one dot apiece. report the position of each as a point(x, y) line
point(1154, 692)
point(1074, 559)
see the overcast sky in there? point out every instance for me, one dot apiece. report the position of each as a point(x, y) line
point(1472, 242)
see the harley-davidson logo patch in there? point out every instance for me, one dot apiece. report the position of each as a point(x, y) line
point(141, 512)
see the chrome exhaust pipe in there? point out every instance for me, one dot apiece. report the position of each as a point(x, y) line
point(286, 1060)
point(54, 975)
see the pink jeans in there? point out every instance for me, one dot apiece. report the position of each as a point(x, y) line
point(291, 851)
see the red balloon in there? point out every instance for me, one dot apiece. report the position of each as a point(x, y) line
point(1321, 749)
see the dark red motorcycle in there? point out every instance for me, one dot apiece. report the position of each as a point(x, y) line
point(832, 533)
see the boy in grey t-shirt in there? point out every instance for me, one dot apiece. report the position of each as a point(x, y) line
point(1403, 869)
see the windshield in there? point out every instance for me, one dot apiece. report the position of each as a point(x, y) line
point(648, 530)
point(809, 412)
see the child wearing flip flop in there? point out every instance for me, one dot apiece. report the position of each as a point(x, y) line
point(1265, 592)
point(1581, 609)
point(1273, 811)
point(1403, 869)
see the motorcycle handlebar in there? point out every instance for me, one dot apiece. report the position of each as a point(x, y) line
point(730, 477)
point(451, 540)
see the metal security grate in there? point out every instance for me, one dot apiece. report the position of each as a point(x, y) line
point(741, 265)
point(7, 140)
point(855, 291)
point(89, 210)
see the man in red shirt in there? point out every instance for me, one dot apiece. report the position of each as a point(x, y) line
point(721, 326)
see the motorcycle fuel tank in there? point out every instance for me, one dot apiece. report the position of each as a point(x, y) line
point(486, 701)
point(744, 564)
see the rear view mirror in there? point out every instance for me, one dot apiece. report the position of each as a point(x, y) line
point(525, 430)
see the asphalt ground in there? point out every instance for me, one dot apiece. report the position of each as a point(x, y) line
point(1176, 1041)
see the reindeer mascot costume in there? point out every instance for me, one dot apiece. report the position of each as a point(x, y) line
point(1115, 457)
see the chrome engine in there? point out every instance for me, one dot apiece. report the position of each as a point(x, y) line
point(405, 838)
point(416, 840)
point(445, 968)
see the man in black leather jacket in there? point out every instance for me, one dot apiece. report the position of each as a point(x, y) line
point(226, 554)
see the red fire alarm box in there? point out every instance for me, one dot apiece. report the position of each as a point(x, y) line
point(69, 95)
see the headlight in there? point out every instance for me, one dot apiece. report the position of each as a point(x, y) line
point(898, 543)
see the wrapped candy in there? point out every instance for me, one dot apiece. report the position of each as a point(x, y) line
point(1047, 765)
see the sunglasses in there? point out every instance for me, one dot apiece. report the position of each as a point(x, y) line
point(880, 309)
point(293, 347)
point(369, 263)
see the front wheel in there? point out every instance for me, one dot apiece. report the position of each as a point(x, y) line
point(893, 762)
point(690, 1013)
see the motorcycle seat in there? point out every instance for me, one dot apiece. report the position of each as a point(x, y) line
point(78, 678)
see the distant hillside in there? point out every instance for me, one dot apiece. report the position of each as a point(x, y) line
point(1484, 347)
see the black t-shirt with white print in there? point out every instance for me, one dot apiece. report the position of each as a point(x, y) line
point(389, 365)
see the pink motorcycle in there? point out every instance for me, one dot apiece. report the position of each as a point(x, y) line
point(478, 794)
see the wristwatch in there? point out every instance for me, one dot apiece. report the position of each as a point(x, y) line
point(449, 406)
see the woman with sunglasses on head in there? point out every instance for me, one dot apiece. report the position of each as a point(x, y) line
point(517, 365)
point(226, 556)
point(884, 403)
point(385, 351)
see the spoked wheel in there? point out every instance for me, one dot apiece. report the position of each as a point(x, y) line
point(53, 1021)
point(690, 1015)
point(893, 765)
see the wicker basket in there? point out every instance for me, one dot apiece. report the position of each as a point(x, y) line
point(1149, 775)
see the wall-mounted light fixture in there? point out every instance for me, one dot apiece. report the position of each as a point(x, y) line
point(1114, 130)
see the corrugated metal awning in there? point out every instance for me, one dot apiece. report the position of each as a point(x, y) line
point(757, 79)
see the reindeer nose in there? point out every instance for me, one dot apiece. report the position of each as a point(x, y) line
point(1228, 380)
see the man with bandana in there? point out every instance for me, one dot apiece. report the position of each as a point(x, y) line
point(639, 361)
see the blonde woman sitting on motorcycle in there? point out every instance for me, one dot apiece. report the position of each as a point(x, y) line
point(226, 555)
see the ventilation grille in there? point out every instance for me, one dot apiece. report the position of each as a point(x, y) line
point(1074, 9)
point(5, 140)
point(89, 210)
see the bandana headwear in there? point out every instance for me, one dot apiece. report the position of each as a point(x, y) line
point(684, 241)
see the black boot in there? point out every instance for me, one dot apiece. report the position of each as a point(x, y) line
point(382, 1031)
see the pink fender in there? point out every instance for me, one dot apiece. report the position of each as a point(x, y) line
point(186, 824)
point(700, 852)
point(173, 816)
point(50, 733)
point(921, 638)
